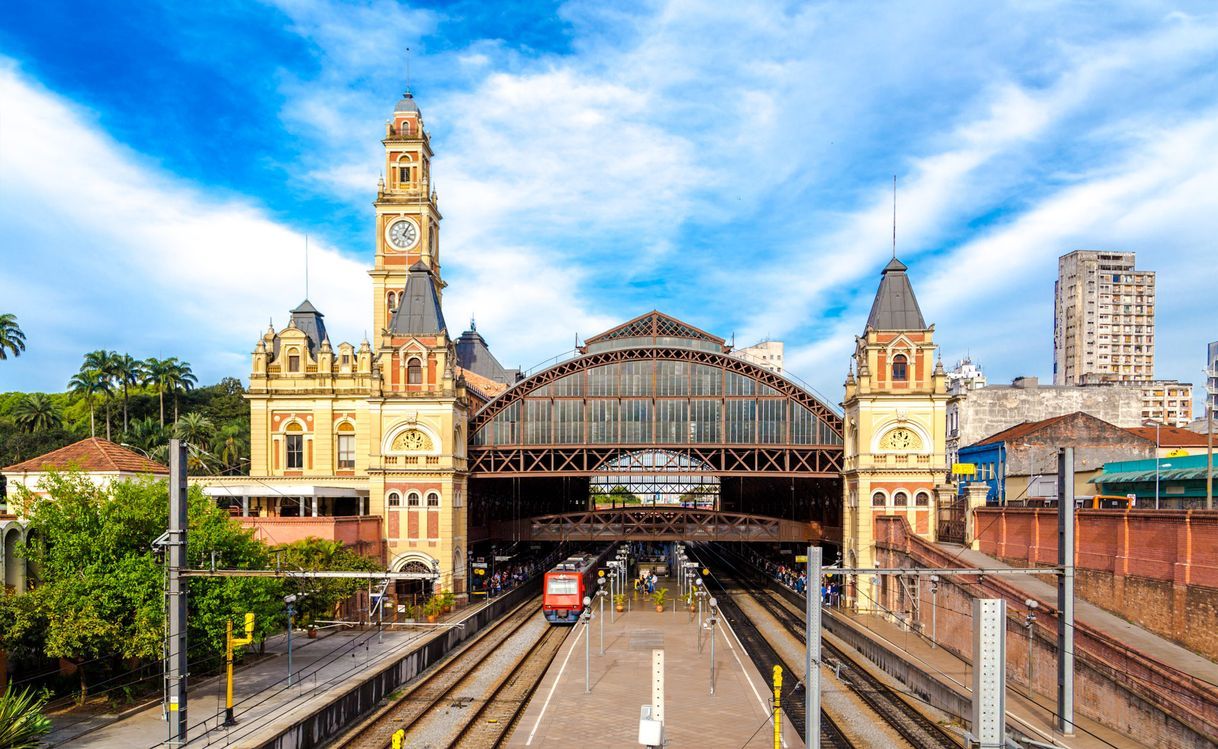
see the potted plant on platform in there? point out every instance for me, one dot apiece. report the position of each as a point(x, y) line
point(432, 609)
point(659, 597)
point(447, 601)
point(619, 602)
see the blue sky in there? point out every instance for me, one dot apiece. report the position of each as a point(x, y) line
point(730, 164)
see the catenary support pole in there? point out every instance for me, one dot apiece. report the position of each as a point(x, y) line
point(176, 687)
point(1065, 591)
point(1209, 449)
point(812, 657)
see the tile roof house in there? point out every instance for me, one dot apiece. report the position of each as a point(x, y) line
point(101, 460)
point(1174, 441)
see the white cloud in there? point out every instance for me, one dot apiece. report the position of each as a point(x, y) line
point(106, 251)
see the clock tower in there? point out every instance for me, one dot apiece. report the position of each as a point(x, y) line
point(407, 212)
point(895, 427)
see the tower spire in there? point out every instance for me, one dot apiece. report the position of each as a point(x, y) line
point(306, 266)
point(407, 94)
point(894, 217)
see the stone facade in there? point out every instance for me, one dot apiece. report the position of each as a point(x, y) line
point(974, 414)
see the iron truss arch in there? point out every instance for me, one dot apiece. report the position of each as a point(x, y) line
point(752, 421)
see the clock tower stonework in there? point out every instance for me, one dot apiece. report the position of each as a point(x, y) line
point(895, 428)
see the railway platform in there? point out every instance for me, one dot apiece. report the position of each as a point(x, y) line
point(1033, 715)
point(736, 715)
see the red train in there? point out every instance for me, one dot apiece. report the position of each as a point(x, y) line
point(565, 586)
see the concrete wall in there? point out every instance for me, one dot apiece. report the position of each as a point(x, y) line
point(1131, 692)
point(991, 409)
point(1159, 569)
point(348, 703)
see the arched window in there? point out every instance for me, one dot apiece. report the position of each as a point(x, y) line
point(900, 499)
point(414, 372)
point(878, 499)
point(294, 446)
point(346, 445)
point(412, 499)
point(395, 499)
point(922, 499)
point(293, 360)
point(433, 499)
point(393, 300)
point(900, 368)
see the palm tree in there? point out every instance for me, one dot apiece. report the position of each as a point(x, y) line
point(147, 434)
point(37, 413)
point(127, 370)
point(196, 429)
point(103, 362)
point(159, 374)
point(230, 447)
point(11, 337)
point(89, 383)
point(22, 722)
point(183, 379)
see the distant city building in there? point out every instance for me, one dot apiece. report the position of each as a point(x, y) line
point(1020, 464)
point(1211, 372)
point(766, 354)
point(1167, 402)
point(1178, 484)
point(1104, 319)
point(973, 414)
point(966, 375)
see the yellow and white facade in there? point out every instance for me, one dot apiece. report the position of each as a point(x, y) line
point(375, 431)
point(894, 427)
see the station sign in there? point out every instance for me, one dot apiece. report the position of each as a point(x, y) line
point(503, 559)
point(802, 558)
point(479, 565)
point(964, 469)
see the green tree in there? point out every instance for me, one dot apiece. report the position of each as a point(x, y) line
point(100, 581)
point(147, 434)
point(231, 447)
point(11, 338)
point(127, 372)
point(196, 429)
point(321, 596)
point(22, 722)
point(103, 362)
point(37, 413)
point(88, 384)
point(169, 376)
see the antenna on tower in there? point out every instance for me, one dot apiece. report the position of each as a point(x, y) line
point(894, 217)
point(408, 71)
point(306, 266)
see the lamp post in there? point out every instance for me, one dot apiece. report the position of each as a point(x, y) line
point(698, 593)
point(600, 593)
point(934, 609)
point(1157, 467)
point(290, 600)
point(1028, 619)
point(587, 618)
point(710, 626)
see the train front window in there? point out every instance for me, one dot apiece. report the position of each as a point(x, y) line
point(562, 586)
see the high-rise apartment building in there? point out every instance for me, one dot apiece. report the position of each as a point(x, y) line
point(1211, 375)
point(766, 354)
point(1104, 322)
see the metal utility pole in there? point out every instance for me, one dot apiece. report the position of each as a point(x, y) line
point(587, 645)
point(1210, 392)
point(812, 657)
point(989, 672)
point(1065, 590)
point(710, 625)
point(176, 593)
point(934, 610)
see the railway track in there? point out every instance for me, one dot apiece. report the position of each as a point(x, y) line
point(909, 722)
point(474, 696)
point(765, 657)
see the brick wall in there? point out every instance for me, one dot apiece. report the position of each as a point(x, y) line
point(1151, 701)
point(1158, 569)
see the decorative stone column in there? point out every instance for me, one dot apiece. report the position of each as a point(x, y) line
point(976, 494)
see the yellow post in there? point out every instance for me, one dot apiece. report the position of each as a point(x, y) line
point(231, 642)
point(398, 736)
point(778, 707)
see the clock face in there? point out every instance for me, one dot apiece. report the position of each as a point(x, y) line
point(403, 234)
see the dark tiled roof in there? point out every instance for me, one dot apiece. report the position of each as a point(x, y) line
point(309, 320)
point(1019, 431)
point(895, 306)
point(473, 355)
point(93, 454)
point(419, 312)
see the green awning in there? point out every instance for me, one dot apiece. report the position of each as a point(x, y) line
point(1142, 477)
